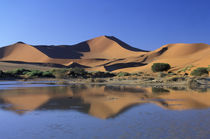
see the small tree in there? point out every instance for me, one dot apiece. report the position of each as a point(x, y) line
point(159, 67)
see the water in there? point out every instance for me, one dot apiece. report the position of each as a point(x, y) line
point(44, 110)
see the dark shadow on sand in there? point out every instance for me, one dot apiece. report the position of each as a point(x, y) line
point(123, 65)
point(64, 51)
point(125, 45)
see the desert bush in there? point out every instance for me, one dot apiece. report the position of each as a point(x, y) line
point(47, 74)
point(20, 71)
point(200, 71)
point(208, 68)
point(60, 73)
point(100, 74)
point(187, 68)
point(34, 73)
point(98, 80)
point(10, 74)
point(159, 67)
point(77, 72)
point(120, 74)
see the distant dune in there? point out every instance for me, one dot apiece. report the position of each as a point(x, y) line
point(107, 53)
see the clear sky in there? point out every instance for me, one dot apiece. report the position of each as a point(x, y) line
point(145, 24)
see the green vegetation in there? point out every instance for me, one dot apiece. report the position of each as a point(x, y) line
point(47, 74)
point(187, 68)
point(160, 67)
point(77, 72)
point(100, 74)
point(200, 71)
point(60, 73)
point(18, 71)
point(39, 74)
point(208, 68)
point(34, 73)
point(121, 74)
point(25, 73)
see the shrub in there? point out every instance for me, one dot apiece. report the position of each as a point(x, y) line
point(9, 74)
point(47, 74)
point(200, 71)
point(100, 74)
point(120, 74)
point(208, 68)
point(77, 72)
point(98, 80)
point(187, 68)
point(60, 73)
point(20, 71)
point(158, 67)
point(34, 73)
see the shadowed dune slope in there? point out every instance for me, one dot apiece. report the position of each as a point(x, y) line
point(107, 53)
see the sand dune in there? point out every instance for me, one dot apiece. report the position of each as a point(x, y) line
point(177, 55)
point(107, 53)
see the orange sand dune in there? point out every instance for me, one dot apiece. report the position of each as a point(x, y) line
point(177, 55)
point(107, 53)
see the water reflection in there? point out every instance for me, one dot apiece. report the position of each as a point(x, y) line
point(102, 101)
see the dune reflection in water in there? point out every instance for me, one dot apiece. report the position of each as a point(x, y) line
point(99, 101)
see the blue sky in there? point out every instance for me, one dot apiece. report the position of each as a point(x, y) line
point(145, 24)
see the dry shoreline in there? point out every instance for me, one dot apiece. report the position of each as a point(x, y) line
point(193, 82)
